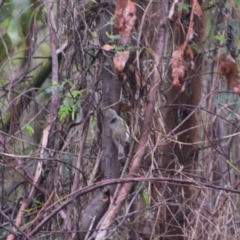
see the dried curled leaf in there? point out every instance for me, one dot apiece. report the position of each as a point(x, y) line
point(236, 90)
point(107, 47)
point(178, 67)
point(190, 34)
point(120, 60)
point(197, 9)
point(182, 60)
point(125, 19)
point(171, 12)
point(229, 70)
point(126, 108)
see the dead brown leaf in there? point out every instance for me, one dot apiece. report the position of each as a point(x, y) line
point(190, 34)
point(107, 47)
point(197, 9)
point(125, 19)
point(126, 108)
point(178, 67)
point(182, 60)
point(120, 60)
point(229, 70)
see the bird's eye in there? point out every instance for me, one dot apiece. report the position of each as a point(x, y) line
point(113, 120)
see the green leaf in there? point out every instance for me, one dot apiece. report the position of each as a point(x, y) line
point(112, 37)
point(112, 21)
point(67, 110)
point(68, 81)
point(145, 197)
point(30, 130)
point(73, 112)
point(63, 112)
point(25, 20)
point(53, 87)
point(222, 98)
point(195, 48)
point(2, 82)
point(183, 6)
point(211, 5)
point(5, 46)
point(78, 93)
point(235, 168)
point(6, 10)
point(54, 83)
point(220, 38)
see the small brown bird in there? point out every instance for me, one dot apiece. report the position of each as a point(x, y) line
point(119, 130)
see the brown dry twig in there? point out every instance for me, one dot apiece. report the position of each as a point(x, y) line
point(102, 184)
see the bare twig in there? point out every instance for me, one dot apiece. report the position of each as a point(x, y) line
point(124, 191)
point(51, 118)
point(15, 226)
point(130, 180)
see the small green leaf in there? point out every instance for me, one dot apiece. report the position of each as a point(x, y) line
point(145, 197)
point(1, 82)
point(112, 21)
point(68, 81)
point(30, 130)
point(220, 38)
point(183, 6)
point(235, 168)
point(67, 110)
point(195, 48)
point(73, 112)
point(5, 46)
point(63, 113)
point(6, 10)
point(52, 88)
point(112, 37)
point(222, 98)
point(78, 93)
point(25, 20)
point(54, 83)
point(211, 5)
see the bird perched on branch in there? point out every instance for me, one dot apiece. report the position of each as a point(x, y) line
point(119, 131)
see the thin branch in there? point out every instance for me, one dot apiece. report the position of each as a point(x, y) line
point(108, 182)
point(125, 190)
point(50, 120)
point(15, 226)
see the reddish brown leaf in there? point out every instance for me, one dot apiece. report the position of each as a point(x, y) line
point(236, 90)
point(126, 108)
point(178, 67)
point(125, 19)
point(229, 70)
point(120, 60)
point(197, 9)
point(182, 60)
